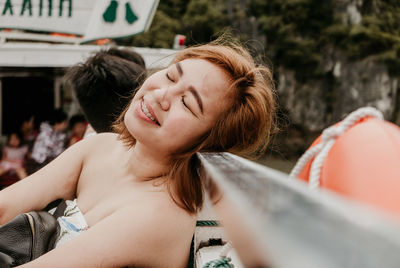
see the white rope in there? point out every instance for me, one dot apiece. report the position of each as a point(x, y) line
point(225, 249)
point(328, 138)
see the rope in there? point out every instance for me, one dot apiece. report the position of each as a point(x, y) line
point(328, 138)
point(220, 263)
point(225, 249)
point(223, 261)
point(207, 223)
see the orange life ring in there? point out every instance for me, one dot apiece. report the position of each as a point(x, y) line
point(364, 164)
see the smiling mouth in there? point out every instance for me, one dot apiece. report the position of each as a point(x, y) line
point(147, 113)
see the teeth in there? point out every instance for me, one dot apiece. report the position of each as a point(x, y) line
point(146, 112)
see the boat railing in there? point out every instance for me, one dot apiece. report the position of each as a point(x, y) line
point(273, 221)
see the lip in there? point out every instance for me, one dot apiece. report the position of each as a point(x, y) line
point(143, 116)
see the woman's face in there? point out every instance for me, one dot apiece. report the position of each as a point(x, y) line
point(177, 105)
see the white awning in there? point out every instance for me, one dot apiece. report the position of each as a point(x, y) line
point(65, 55)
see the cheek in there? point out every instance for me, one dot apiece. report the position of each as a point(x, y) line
point(179, 123)
point(129, 117)
point(187, 129)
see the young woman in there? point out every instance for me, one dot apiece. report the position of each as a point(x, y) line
point(138, 191)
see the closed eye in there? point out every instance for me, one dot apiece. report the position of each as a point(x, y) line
point(184, 103)
point(187, 107)
point(169, 77)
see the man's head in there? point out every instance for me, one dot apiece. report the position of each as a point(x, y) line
point(58, 120)
point(104, 84)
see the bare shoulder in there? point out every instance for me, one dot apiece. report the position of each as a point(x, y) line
point(100, 141)
point(101, 137)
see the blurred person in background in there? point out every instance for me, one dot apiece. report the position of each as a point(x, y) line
point(28, 131)
point(50, 141)
point(104, 84)
point(77, 127)
point(14, 156)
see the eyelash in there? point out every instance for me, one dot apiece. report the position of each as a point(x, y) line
point(183, 97)
point(169, 78)
point(183, 101)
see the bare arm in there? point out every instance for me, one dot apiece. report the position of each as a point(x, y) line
point(125, 238)
point(56, 180)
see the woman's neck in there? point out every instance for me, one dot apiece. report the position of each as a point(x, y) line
point(147, 164)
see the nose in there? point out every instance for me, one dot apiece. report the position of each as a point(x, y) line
point(163, 98)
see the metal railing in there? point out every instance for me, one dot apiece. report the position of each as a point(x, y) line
point(276, 222)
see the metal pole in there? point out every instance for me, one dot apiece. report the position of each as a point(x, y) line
point(1, 107)
point(57, 92)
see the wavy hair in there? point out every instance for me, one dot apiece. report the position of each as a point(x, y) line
point(243, 129)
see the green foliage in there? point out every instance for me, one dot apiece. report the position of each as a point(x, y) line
point(199, 20)
point(297, 32)
point(202, 20)
point(294, 30)
point(161, 34)
point(363, 42)
point(392, 60)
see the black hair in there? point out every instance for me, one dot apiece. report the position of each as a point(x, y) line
point(128, 55)
point(104, 84)
point(77, 118)
point(17, 133)
point(57, 116)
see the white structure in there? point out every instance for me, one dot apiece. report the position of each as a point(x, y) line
point(65, 55)
point(29, 67)
point(88, 20)
point(31, 72)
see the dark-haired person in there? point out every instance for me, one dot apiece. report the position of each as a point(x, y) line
point(50, 141)
point(136, 192)
point(77, 127)
point(104, 83)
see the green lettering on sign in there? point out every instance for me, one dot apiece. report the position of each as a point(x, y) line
point(7, 6)
point(40, 8)
point(60, 10)
point(50, 7)
point(29, 4)
point(111, 12)
point(130, 16)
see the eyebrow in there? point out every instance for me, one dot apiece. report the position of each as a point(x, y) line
point(191, 88)
point(197, 97)
point(179, 68)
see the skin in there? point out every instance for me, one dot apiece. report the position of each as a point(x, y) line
point(120, 191)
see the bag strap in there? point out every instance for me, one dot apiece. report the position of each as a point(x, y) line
point(60, 209)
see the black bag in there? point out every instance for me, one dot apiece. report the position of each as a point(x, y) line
point(28, 236)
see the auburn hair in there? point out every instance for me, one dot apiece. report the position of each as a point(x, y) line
point(243, 129)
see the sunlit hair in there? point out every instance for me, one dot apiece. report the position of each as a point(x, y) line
point(243, 129)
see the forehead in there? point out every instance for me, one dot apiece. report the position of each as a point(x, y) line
point(14, 136)
point(210, 80)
